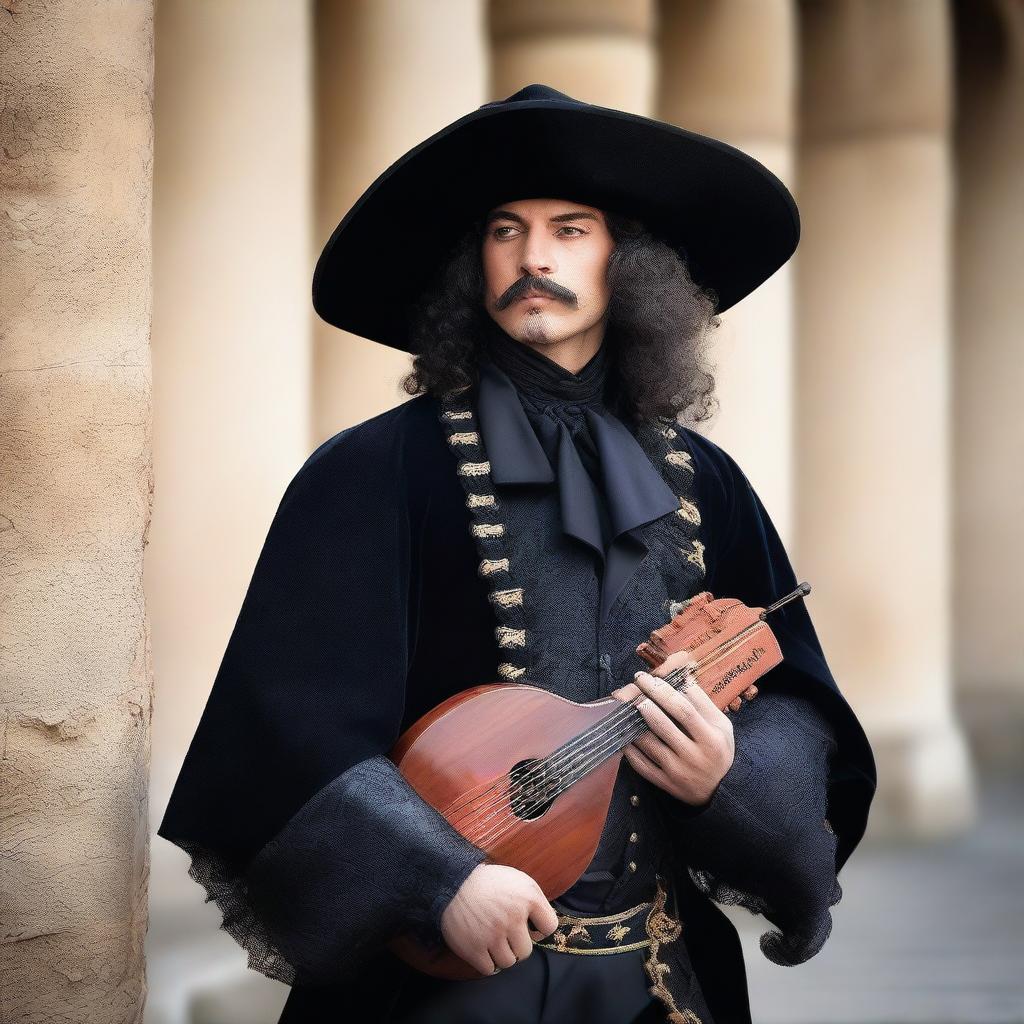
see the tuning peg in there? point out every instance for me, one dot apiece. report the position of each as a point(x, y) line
point(749, 693)
point(736, 704)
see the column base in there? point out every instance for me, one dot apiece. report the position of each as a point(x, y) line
point(926, 785)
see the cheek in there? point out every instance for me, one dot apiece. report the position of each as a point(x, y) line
point(498, 271)
point(592, 277)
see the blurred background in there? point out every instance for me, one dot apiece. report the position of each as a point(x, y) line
point(869, 390)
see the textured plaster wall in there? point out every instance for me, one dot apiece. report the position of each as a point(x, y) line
point(75, 495)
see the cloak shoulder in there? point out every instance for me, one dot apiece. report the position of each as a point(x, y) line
point(312, 844)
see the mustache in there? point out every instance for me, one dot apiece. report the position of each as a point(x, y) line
point(543, 285)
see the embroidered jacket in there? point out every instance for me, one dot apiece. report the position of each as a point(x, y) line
point(394, 575)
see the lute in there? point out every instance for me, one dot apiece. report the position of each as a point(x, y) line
point(527, 775)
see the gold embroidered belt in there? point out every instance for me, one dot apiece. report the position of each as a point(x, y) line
point(596, 935)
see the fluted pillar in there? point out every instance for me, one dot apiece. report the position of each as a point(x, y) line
point(989, 379)
point(76, 489)
point(873, 436)
point(600, 51)
point(727, 69)
point(388, 75)
point(231, 332)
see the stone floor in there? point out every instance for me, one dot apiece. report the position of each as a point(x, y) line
point(924, 933)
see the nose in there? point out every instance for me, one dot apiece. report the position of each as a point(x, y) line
point(538, 259)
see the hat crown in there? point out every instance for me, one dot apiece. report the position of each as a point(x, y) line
point(536, 91)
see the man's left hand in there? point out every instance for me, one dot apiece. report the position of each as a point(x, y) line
point(690, 745)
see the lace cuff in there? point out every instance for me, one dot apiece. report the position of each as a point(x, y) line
point(763, 841)
point(362, 860)
point(229, 891)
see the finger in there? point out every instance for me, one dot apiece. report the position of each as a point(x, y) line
point(543, 917)
point(669, 714)
point(521, 943)
point(706, 707)
point(480, 961)
point(676, 702)
point(678, 660)
point(656, 750)
point(643, 765)
point(627, 693)
point(502, 954)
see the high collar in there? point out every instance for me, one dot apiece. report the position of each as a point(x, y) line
point(540, 378)
point(635, 492)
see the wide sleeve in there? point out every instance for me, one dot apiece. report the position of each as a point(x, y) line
point(794, 803)
point(300, 829)
point(764, 841)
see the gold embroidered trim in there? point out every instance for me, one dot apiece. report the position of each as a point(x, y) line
point(510, 637)
point(688, 510)
point(594, 952)
point(607, 919)
point(663, 928)
point(507, 598)
point(487, 529)
point(492, 565)
point(578, 930)
point(683, 459)
point(697, 555)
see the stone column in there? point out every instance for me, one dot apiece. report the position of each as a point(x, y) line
point(601, 51)
point(75, 497)
point(874, 388)
point(388, 75)
point(727, 69)
point(989, 375)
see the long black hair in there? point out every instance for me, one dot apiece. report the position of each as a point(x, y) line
point(658, 329)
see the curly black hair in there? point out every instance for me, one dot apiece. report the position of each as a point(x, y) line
point(658, 328)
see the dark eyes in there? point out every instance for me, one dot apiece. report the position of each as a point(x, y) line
point(508, 227)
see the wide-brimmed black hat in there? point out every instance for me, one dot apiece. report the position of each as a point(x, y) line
point(726, 214)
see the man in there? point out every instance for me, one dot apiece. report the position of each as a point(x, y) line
point(530, 516)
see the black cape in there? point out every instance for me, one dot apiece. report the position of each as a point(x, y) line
point(364, 612)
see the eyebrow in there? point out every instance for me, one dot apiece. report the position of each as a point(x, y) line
point(559, 218)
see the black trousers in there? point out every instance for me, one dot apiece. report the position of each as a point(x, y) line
point(548, 987)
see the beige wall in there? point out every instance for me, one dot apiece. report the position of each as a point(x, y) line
point(702, 44)
point(231, 327)
point(988, 435)
point(388, 75)
point(874, 385)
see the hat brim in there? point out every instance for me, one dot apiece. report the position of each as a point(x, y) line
point(725, 213)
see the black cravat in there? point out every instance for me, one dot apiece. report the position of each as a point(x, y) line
point(542, 424)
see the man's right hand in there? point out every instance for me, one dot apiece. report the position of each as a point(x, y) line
point(487, 922)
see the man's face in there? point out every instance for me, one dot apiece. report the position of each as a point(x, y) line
point(557, 248)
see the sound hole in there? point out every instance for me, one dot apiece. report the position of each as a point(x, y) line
point(531, 791)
